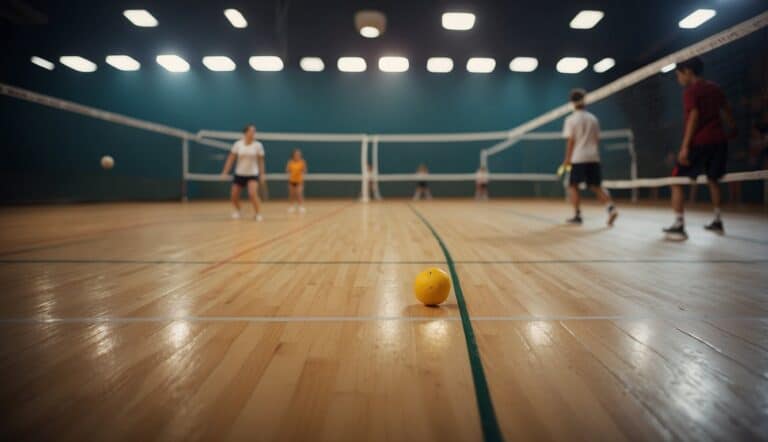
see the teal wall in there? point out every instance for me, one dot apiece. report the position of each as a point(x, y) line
point(53, 155)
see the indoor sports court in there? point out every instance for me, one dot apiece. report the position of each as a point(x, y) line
point(402, 221)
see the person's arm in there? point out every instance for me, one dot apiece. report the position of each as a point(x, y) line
point(287, 170)
point(228, 164)
point(305, 167)
point(690, 127)
point(569, 151)
point(262, 169)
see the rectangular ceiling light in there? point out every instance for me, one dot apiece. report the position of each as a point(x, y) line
point(393, 64)
point(697, 18)
point(236, 18)
point(572, 65)
point(312, 64)
point(266, 63)
point(440, 65)
point(481, 65)
point(586, 19)
point(351, 64)
point(458, 21)
point(668, 68)
point(140, 17)
point(123, 62)
point(604, 65)
point(77, 63)
point(219, 63)
point(523, 64)
point(42, 62)
point(172, 63)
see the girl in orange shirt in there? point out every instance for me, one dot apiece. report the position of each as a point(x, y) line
point(296, 168)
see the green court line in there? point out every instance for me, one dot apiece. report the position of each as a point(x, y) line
point(490, 425)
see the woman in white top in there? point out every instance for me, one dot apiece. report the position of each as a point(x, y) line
point(249, 155)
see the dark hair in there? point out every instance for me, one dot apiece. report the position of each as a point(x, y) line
point(577, 95)
point(248, 126)
point(695, 65)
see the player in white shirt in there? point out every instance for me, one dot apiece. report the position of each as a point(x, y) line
point(582, 157)
point(249, 171)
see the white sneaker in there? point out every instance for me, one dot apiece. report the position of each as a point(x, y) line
point(291, 209)
point(236, 214)
point(302, 209)
point(258, 218)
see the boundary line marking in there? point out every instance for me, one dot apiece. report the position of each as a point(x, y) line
point(488, 421)
point(373, 262)
point(331, 319)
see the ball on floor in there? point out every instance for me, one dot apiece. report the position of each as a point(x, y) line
point(432, 286)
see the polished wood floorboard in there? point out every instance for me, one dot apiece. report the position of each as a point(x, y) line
point(171, 321)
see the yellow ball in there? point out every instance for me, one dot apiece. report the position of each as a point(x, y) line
point(432, 286)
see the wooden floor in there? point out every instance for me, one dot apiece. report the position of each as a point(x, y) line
point(173, 322)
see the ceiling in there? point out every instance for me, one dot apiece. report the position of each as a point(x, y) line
point(633, 32)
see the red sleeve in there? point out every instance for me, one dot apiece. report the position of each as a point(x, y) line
point(689, 100)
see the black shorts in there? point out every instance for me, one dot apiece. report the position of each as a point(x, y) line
point(709, 159)
point(483, 185)
point(292, 184)
point(422, 184)
point(242, 180)
point(586, 173)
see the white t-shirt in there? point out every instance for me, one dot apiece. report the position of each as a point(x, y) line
point(481, 177)
point(247, 157)
point(585, 130)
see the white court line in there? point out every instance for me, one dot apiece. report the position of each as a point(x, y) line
point(284, 319)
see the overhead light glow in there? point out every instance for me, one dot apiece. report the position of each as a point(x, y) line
point(393, 64)
point(481, 65)
point(523, 64)
point(219, 63)
point(172, 63)
point(440, 65)
point(140, 17)
point(697, 18)
point(312, 64)
point(351, 64)
point(604, 65)
point(586, 19)
point(236, 18)
point(458, 21)
point(668, 68)
point(123, 62)
point(266, 63)
point(42, 62)
point(369, 32)
point(77, 63)
point(572, 65)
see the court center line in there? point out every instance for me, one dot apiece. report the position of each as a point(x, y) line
point(374, 262)
point(332, 319)
point(490, 425)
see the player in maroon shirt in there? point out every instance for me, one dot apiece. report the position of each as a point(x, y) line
point(705, 145)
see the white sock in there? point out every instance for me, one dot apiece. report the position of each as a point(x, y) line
point(679, 220)
point(717, 214)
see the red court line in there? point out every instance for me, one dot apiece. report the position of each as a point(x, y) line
point(273, 239)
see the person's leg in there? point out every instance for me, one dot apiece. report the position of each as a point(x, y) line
point(291, 197)
point(300, 196)
point(253, 194)
point(478, 191)
point(575, 197)
point(604, 197)
point(234, 196)
point(714, 191)
point(417, 193)
point(427, 193)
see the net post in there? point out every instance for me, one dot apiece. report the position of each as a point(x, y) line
point(633, 163)
point(184, 168)
point(364, 187)
point(375, 166)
